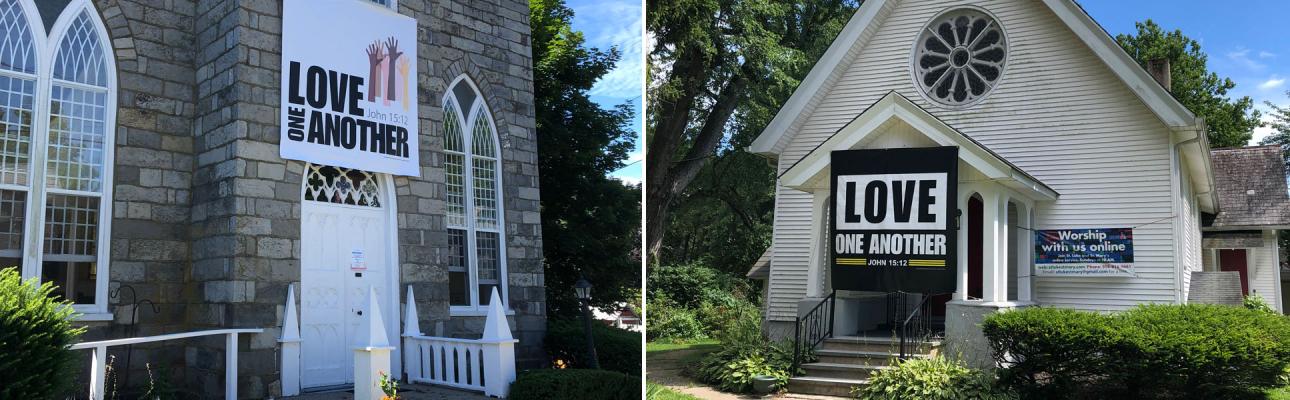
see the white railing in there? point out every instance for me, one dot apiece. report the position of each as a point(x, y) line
point(98, 358)
point(486, 364)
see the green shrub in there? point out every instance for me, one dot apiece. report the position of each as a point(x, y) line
point(1150, 351)
point(616, 349)
point(666, 322)
point(690, 286)
point(35, 333)
point(744, 353)
point(576, 384)
point(1257, 303)
point(934, 378)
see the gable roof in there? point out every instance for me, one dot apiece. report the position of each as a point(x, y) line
point(1251, 186)
point(811, 171)
point(856, 34)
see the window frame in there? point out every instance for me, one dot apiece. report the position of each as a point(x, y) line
point(466, 123)
point(46, 48)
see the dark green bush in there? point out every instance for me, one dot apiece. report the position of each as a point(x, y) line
point(576, 384)
point(616, 349)
point(934, 378)
point(35, 333)
point(690, 286)
point(1150, 351)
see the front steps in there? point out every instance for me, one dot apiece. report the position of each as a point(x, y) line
point(847, 361)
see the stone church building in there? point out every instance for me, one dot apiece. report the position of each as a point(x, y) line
point(140, 170)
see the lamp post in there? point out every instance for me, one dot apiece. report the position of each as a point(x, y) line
point(583, 290)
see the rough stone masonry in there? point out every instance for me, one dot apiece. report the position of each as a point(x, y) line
point(206, 214)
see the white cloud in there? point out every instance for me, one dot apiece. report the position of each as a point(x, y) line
point(1242, 56)
point(1267, 54)
point(630, 180)
point(635, 156)
point(1261, 132)
point(1273, 82)
point(618, 24)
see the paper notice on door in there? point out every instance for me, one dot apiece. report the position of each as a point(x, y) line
point(357, 260)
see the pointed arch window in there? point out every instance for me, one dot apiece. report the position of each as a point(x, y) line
point(476, 236)
point(57, 110)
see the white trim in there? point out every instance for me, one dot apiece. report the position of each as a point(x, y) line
point(466, 115)
point(812, 170)
point(46, 47)
point(853, 37)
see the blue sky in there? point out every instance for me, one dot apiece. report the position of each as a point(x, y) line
point(1246, 43)
point(617, 23)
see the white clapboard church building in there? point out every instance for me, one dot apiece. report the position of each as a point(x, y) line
point(1079, 182)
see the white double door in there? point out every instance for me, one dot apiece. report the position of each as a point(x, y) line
point(344, 250)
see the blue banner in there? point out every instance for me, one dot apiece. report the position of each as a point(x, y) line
point(1084, 252)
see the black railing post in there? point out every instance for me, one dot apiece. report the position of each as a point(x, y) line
point(833, 299)
point(797, 340)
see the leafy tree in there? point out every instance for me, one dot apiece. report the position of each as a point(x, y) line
point(719, 70)
point(1230, 122)
point(590, 222)
point(1280, 125)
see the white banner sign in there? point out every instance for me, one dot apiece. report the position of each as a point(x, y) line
point(349, 86)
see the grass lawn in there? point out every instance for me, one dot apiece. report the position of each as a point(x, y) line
point(661, 346)
point(654, 391)
point(1282, 393)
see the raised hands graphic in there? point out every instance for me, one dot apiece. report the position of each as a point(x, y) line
point(391, 82)
point(375, 54)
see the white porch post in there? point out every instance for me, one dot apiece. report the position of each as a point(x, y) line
point(499, 350)
point(990, 257)
point(230, 366)
point(98, 373)
point(290, 342)
point(1026, 245)
point(1005, 250)
point(819, 255)
point(372, 355)
point(411, 328)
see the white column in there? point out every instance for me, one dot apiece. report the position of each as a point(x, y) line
point(818, 258)
point(1026, 245)
point(990, 244)
point(965, 196)
point(290, 342)
point(98, 373)
point(1005, 251)
point(372, 354)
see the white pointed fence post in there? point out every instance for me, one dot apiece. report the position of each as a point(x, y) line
point(499, 350)
point(372, 355)
point(290, 342)
point(411, 329)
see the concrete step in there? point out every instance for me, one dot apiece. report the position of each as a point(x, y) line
point(858, 357)
point(843, 371)
point(823, 386)
point(883, 344)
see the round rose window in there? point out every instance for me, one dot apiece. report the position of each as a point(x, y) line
point(959, 57)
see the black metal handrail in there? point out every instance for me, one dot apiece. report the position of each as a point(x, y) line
point(915, 323)
point(813, 327)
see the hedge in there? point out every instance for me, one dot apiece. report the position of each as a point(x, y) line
point(616, 349)
point(1150, 351)
point(580, 384)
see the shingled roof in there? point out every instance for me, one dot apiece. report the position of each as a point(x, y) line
point(1251, 184)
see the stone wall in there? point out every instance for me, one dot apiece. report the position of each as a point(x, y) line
point(206, 215)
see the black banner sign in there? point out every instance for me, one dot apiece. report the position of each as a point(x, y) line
point(893, 219)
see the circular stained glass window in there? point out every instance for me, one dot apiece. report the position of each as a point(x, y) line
point(959, 57)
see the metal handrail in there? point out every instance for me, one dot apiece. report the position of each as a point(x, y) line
point(818, 327)
point(915, 323)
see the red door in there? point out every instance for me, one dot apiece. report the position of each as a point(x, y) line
point(1234, 260)
point(975, 235)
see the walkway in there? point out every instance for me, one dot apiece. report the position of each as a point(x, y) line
point(406, 391)
point(664, 368)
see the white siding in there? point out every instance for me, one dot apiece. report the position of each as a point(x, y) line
point(1058, 113)
point(1263, 269)
point(1190, 224)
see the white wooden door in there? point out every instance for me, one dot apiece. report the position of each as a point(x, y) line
point(343, 251)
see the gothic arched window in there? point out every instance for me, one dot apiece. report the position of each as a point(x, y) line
point(476, 235)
